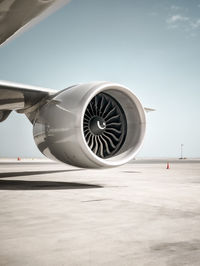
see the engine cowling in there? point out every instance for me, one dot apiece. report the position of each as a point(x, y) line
point(92, 125)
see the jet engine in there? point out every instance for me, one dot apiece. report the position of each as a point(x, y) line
point(92, 125)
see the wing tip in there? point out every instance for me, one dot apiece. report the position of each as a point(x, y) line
point(147, 109)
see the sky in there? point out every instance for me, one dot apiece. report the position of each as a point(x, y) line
point(150, 46)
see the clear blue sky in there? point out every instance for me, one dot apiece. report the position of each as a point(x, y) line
point(153, 47)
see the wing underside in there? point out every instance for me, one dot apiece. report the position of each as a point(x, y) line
point(18, 15)
point(20, 97)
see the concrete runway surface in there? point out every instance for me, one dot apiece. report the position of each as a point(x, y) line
point(137, 214)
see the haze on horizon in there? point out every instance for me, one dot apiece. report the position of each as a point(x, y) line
point(152, 47)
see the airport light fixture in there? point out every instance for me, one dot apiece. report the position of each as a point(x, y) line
point(181, 151)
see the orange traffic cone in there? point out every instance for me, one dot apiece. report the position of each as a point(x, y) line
point(168, 167)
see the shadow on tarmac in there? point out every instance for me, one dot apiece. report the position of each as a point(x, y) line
point(13, 174)
point(131, 172)
point(43, 185)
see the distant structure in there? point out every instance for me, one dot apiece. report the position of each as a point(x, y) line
point(181, 151)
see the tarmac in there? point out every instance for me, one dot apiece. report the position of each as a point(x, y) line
point(137, 214)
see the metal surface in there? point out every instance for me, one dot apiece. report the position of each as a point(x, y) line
point(59, 133)
point(18, 15)
point(104, 125)
point(147, 109)
point(20, 97)
point(58, 117)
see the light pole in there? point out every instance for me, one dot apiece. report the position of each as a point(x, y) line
point(182, 151)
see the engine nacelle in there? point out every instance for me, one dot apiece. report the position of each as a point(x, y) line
point(92, 125)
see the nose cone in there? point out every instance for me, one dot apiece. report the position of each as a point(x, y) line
point(97, 125)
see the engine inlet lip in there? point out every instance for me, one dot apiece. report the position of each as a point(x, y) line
point(130, 147)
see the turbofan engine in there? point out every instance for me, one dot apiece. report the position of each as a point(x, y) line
point(91, 125)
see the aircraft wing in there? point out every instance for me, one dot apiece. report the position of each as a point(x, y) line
point(21, 98)
point(18, 15)
point(147, 109)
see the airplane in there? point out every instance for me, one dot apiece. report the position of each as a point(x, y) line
point(94, 125)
